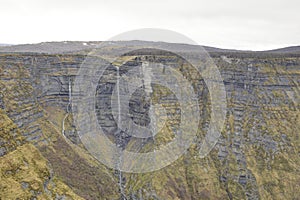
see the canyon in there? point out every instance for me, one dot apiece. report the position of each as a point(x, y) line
point(256, 156)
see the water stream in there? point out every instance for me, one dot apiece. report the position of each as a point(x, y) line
point(120, 159)
point(68, 107)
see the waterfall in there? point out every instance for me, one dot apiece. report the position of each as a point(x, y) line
point(70, 95)
point(118, 95)
point(147, 74)
point(68, 107)
point(120, 159)
point(147, 78)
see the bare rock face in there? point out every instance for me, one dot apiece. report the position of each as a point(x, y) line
point(256, 156)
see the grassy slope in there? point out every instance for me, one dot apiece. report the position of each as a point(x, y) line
point(24, 172)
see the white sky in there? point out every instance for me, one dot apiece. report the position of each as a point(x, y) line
point(239, 24)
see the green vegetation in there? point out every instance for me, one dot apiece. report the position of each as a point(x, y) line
point(25, 174)
point(262, 130)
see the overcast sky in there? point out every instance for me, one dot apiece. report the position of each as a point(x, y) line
point(239, 24)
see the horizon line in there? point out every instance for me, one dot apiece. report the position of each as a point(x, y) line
point(90, 41)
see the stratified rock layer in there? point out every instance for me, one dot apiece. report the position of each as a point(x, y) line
point(257, 156)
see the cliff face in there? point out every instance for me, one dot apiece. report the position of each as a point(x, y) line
point(24, 172)
point(256, 157)
point(34, 95)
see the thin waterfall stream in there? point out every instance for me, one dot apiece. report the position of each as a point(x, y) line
point(68, 107)
point(120, 159)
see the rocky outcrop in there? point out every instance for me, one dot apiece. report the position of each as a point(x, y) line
point(256, 156)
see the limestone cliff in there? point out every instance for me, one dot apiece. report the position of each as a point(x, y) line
point(256, 157)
